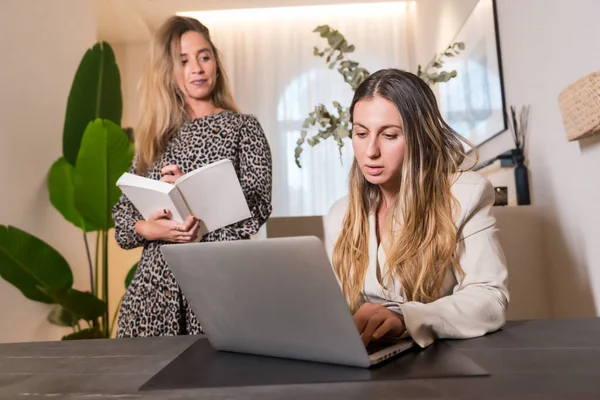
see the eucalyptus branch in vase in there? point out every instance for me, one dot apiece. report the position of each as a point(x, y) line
point(338, 125)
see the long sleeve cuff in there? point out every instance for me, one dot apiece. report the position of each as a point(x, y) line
point(417, 328)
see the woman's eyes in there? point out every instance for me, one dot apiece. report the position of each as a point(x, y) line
point(390, 136)
point(202, 58)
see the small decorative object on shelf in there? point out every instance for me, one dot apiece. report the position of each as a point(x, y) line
point(516, 156)
point(519, 131)
point(501, 193)
point(580, 107)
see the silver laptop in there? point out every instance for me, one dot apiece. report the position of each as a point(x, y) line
point(276, 297)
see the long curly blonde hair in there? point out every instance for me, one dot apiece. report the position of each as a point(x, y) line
point(162, 110)
point(420, 252)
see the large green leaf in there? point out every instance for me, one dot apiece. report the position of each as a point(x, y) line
point(95, 93)
point(89, 333)
point(130, 275)
point(30, 263)
point(81, 304)
point(62, 193)
point(105, 154)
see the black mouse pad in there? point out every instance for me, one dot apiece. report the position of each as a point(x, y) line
point(201, 366)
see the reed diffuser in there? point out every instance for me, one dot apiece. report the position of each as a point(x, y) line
point(518, 127)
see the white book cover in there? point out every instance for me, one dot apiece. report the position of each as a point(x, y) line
point(211, 193)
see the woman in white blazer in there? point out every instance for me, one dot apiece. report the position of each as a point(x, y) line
point(414, 244)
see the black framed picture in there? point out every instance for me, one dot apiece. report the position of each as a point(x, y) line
point(473, 102)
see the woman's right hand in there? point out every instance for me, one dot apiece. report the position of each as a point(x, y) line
point(161, 226)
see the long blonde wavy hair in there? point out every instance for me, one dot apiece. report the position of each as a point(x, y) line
point(419, 233)
point(163, 109)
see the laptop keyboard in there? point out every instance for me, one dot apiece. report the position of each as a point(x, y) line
point(374, 347)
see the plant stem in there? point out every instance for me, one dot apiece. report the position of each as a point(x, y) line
point(97, 286)
point(114, 319)
point(105, 278)
point(89, 257)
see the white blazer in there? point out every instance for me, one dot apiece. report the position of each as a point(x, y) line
point(469, 307)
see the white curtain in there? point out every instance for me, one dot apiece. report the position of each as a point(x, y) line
point(275, 76)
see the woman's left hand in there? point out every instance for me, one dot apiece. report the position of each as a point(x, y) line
point(171, 173)
point(374, 320)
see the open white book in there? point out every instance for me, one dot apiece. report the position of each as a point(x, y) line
point(211, 193)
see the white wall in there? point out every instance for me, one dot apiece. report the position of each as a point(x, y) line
point(131, 59)
point(41, 49)
point(546, 45)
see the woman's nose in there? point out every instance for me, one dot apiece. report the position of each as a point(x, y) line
point(373, 148)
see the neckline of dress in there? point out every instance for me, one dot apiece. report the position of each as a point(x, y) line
point(208, 116)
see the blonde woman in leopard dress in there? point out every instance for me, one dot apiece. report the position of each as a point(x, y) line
point(188, 119)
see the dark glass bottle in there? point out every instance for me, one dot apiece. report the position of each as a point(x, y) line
point(521, 179)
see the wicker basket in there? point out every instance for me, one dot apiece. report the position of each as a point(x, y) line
point(580, 107)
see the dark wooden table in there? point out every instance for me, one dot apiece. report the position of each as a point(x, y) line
point(545, 360)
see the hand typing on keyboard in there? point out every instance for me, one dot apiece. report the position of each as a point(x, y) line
point(374, 321)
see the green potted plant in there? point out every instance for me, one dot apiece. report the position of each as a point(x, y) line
point(81, 185)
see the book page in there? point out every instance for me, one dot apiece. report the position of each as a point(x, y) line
point(149, 196)
point(214, 195)
point(190, 174)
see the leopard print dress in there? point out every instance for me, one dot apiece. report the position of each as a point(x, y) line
point(153, 304)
